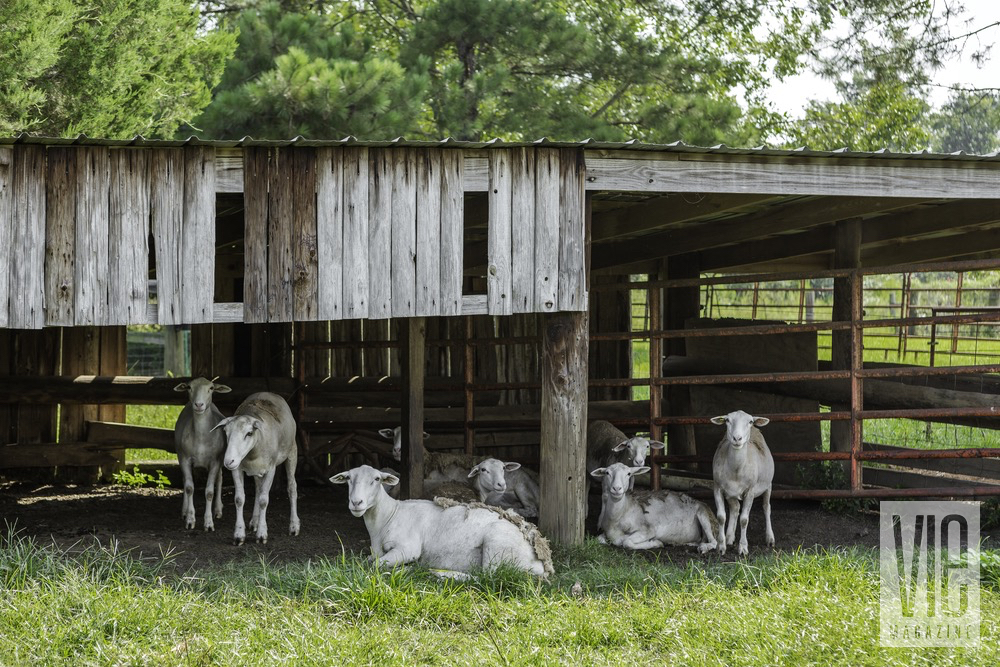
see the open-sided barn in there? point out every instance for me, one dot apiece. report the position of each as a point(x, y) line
point(481, 291)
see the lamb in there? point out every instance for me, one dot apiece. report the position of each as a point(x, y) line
point(506, 485)
point(198, 446)
point(453, 537)
point(607, 445)
point(650, 519)
point(261, 436)
point(741, 470)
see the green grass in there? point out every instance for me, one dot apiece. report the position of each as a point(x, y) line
point(162, 416)
point(102, 606)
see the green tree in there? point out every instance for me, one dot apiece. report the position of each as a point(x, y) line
point(969, 121)
point(111, 68)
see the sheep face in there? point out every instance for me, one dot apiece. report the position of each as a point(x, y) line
point(638, 449)
point(396, 435)
point(243, 432)
point(364, 484)
point(491, 476)
point(617, 477)
point(200, 392)
point(739, 427)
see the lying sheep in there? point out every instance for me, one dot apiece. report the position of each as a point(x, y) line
point(260, 437)
point(607, 445)
point(506, 485)
point(200, 446)
point(741, 470)
point(439, 467)
point(454, 537)
point(650, 519)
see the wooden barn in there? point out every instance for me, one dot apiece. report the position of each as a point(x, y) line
point(487, 293)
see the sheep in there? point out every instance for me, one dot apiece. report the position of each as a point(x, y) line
point(439, 467)
point(396, 435)
point(742, 469)
point(441, 534)
point(506, 485)
point(198, 446)
point(261, 436)
point(607, 445)
point(650, 519)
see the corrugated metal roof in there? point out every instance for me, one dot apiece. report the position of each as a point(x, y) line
point(587, 144)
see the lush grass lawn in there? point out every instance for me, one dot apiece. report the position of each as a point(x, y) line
point(102, 608)
point(162, 416)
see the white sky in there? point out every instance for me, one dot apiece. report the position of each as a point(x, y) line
point(792, 95)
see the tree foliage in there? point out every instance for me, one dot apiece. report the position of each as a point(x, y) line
point(970, 122)
point(112, 68)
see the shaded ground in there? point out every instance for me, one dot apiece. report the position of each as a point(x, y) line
point(149, 521)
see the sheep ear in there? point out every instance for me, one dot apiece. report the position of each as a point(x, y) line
point(426, 435)
point(620, 446)
point(761, 421)
point(257, 424)
point(721, 419)
point(183, 386)
point(511, 466)
point(638, 470)
point(386, 433)
point(599, 472)
point(341, 478)
point(475, 471)
point(222, 423)
point(656, 444)
point(222, 389)
point(389, 480)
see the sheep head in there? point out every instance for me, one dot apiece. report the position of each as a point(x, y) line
point(200, 391)
point(491, 476)
point(739, 427)
point(396, 435)
point(243, 432)
point(616, 478)
point(364, 484)
point(638, 449)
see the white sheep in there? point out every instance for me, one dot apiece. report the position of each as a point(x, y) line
point(506, 485)
point(396, 435)
point(741, 470)
point(650, 519)
point(260, 437)
point(200, 446)
point(439, 534)
point(606, 445)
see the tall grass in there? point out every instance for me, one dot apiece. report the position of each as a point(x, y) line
point(102, 606)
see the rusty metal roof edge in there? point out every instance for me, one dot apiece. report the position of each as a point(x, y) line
point(449, 142)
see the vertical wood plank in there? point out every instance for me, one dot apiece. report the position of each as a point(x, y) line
point(93, 171)
point(27, 279)
point(166, 173)
point(428, 232)
point(355, 233)
point(128, 292)
point(60, 236)
point(197, 264)
point(279, 237)
point(380, 180)
point(572, 239)
point(563, 450)
point(256, 163)
point(330, 232)
point(413, 350)
point(546, 272)
point(306, 295)
point(846, 255)
point(523, 230)
point(498, 290)
point(113, 361)
point(452, 231)
point(6, 193)
point(404, 232)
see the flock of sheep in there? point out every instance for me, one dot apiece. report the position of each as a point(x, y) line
point(475, 512)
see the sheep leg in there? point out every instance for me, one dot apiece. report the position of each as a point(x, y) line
point(744, 520)
point(240, 534)
point(214, 474)
point(767, 517)
point(263, 493)
point(255, 516)
point(734, 510)
point(187, 508)
point(218, 492)
point(639, 541)
point(720, 514)
point(293, 493)
point(705, 521)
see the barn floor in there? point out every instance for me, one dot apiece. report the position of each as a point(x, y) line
point(148, 521)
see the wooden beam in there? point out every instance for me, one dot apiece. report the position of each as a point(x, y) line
point(767, 250)
point(413, 351)
point(563, 451)
point(668, 211)
point(926, 250)
point(64, 454)
point(930, 220)
point(127, 435)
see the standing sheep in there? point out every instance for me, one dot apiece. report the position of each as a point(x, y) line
point(741, 470)
point(198, 445)
point(261, 436)
point(607, 445)
point(650, 519)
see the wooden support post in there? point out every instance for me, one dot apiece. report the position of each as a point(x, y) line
point(655, 299)
point(564, 427)
point(857, 387)
point(469, 374)
point(847, 255)
point(680, 304)
point(413, 351)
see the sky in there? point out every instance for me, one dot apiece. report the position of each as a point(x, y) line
point(792, 95)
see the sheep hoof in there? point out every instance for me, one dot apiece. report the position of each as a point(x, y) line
point(238, 541)
point(744, 551)
point(262, 540)
point(209, 528)
point(218, 514)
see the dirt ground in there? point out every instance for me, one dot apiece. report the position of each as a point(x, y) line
point(148, 521)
